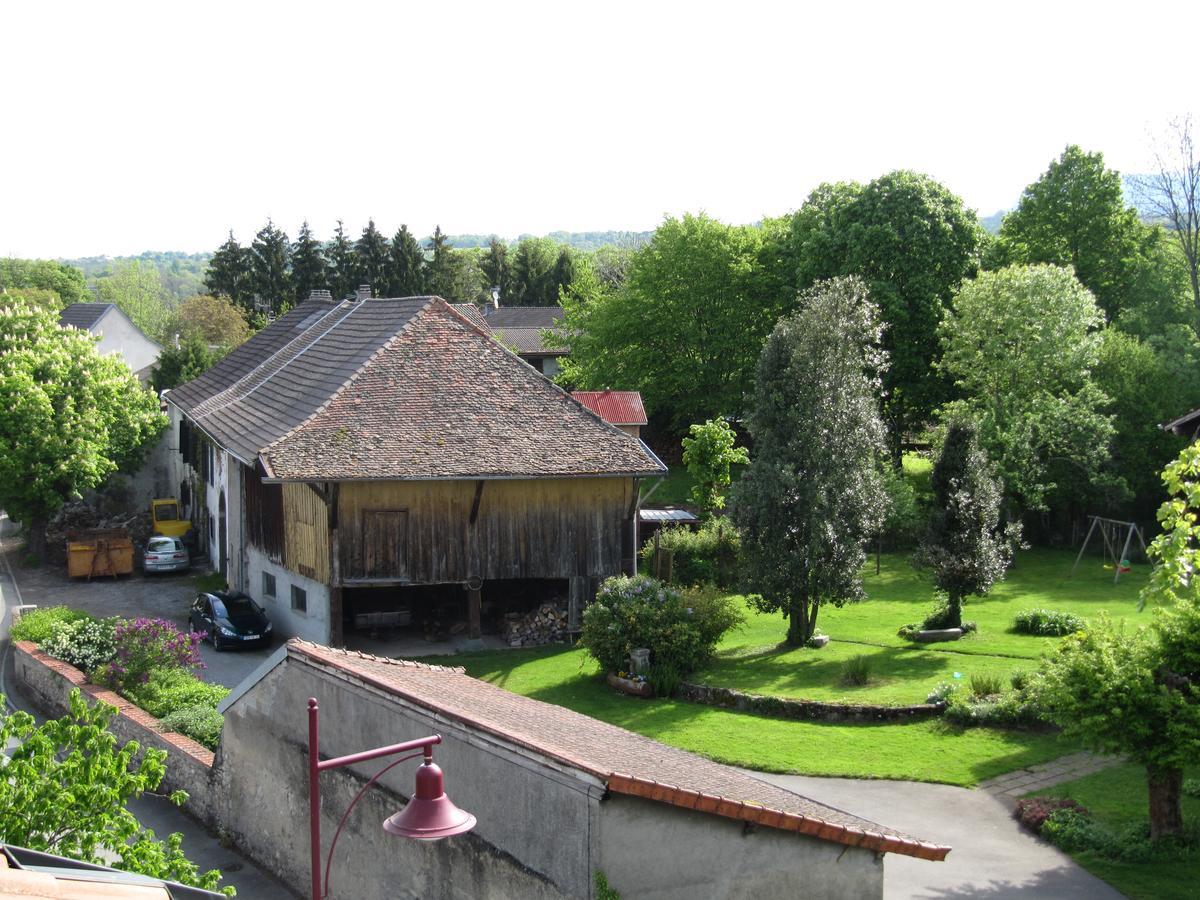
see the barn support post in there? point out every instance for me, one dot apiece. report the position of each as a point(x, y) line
point(474, 607)
point(337, 638)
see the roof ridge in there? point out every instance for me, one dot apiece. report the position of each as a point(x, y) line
point(388, 660)
point(378, 351)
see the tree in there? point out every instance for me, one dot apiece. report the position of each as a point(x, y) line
point(812, 495)
point(214, 320)
point(913, 241)
point(229, 273)
point(561, 275)
point(309, 269)
point(343, 264)
point(66, 282)
point(1138, 694)
point(708, 453)
point(494, 264)
point(270, 268)
point(1173, 193)
point(68, 416)
point(176, 365)
point(137, 291)
point(1021, 344)
point(440, 271)
point(372, 252)
point(66, 789)
point(406, 266)
point(964, 545)
point(1075, 215)
point(687, 327)
point(532, 273)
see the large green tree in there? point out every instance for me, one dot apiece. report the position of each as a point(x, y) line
point(214, 320)
point(309, 269)
point(228, 273)
point(137, 291)
point(685, 329)
point(68, 416)
point(406, 266)
point(343, 264)
point(812, 495)
point(372, 252)
point(532, 273)
point(1021, 344)
point(65, 281)
point(1075, 215)
point(271, 268)
point(66, 788)
point(176, 365)
point(913, 241)
point(495, 267)
point(441, 271)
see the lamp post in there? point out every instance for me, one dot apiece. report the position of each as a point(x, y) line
point(428, 816)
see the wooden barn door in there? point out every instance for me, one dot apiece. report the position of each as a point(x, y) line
point(385, 543)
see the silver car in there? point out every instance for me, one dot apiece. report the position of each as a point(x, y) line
point(165, 554)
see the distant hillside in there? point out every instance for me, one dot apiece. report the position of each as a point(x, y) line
point(578, 240)
point(991, 224)
point(181, 274)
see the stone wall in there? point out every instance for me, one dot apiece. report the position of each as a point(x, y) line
point(808, 710)
point(48, 682)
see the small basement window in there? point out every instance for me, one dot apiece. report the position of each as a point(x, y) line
point(299, 599)
point(268, 584)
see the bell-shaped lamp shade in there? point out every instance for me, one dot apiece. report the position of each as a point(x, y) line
point(429, 815)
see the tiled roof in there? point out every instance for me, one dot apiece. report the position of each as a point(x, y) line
point(628, 763)
point(1185, 425)
point(472, 313)
point(83, 315)
point(616, 407)
point(440, 399)
point(524, 317)
point(528, 341)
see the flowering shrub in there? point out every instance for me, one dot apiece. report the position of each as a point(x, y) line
point(1032, 812)
point(37, 624)
point(679, 628)
point(84, 643)
point(147, 644)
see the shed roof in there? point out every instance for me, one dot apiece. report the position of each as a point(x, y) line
point(1187, 425)
point(525, 317)
point(400, 388)
point(667, 515)
point(626, 762)
point(615, 407)
point(84, 315)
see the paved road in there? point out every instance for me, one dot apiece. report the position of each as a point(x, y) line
point(203, 848)
point(993, 857)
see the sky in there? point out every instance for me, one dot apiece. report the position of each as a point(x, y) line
point(161, 126)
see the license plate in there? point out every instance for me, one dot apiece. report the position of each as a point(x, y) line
point(249, 637)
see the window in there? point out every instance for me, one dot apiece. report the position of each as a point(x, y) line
point(268, 584)
point(299, 599)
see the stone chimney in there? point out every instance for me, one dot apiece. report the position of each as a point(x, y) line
point(363, 292)
point(324, 296)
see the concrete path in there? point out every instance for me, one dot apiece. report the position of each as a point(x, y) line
point(993, 857)
point(1066, 768)
point(203, 848)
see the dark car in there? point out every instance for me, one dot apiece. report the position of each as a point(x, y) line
point(230, 620)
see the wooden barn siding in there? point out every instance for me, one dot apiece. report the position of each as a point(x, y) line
point(306, 537)
point(553, 528)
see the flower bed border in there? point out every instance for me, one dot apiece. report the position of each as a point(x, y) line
point(805, 710)
point(49, 682)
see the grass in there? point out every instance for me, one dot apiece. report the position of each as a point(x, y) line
point(1117, 798)
point(676, 488)
point(925, 751)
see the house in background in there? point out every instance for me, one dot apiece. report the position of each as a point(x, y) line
point(623, 409)
point(117, 334)
point(388, 457)
point(521, 329)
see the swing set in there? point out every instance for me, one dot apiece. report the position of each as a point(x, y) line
point(1111, 531)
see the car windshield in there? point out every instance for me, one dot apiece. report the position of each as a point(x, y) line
point(166, 511)
point(235, 606)
point(162, 545)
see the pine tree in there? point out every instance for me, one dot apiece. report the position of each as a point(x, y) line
point(406, 266)
point(494, 263)
point(270, 267)
point(229, 273)
point(372, 252)
point(343, 264)
point(561, 276)
point(532, 274)
point(309, 269)
point(441, 265)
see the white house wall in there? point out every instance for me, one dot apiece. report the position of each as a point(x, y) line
point(119, 335)
point(313, 625)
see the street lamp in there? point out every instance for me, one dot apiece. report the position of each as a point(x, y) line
point(428, 816)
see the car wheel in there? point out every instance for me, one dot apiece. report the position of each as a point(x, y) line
point(216, 640)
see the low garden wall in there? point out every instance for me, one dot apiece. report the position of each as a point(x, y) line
point(810, 710)
point(48, 682)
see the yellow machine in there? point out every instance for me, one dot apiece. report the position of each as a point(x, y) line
point(165, 514)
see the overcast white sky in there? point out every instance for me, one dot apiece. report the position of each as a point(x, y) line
point(159, 126)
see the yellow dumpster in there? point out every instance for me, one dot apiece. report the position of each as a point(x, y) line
point(107, 551)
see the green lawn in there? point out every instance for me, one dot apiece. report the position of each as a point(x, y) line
point(1117, 798)
point(926, 751)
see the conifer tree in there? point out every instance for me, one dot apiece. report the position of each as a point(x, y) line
point(270, 267)
point(494, 264)
point(343, 264)
point(229, 272)
point(441, 269)
point(561, 276)
point(406, 266)
point(372, 252)
point(309, 269)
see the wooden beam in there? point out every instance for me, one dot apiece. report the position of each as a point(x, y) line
point(474, 614)
point(475, 502)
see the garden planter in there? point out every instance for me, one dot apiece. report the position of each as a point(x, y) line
point(631, 687)
point(937, 635)
point(817, 641)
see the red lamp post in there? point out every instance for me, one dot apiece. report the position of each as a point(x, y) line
point(428, 816)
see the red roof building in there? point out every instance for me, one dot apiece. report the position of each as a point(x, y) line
point(621, 408)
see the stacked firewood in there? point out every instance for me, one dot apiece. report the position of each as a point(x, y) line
point(78, 517)
point(544, 625)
